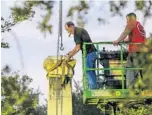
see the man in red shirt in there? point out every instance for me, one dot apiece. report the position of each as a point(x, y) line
point(136, 36)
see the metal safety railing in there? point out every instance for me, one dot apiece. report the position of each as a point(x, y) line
point(122, 67)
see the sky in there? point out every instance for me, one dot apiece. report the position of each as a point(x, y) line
point(35, 48)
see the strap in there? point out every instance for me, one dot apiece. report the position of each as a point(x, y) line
point(57, 65)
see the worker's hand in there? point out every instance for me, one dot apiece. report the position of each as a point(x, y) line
point(67, 58)
point(115, 43)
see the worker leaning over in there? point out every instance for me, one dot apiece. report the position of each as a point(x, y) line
point(136, 34)
point(81, 36)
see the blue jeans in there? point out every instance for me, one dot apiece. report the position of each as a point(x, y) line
point(91, 74)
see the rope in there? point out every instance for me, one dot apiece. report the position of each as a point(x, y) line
point(19, 48)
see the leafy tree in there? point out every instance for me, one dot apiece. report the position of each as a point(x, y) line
point(41, 110)
point(143, 108)
point(17, 97)
point(78, 107)
point(5, 26)
point(82, 9)
point(26, 12)
point(23, 13)
point(146, 63)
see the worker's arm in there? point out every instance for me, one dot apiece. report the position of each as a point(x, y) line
point(124, 34)
point(74, 51)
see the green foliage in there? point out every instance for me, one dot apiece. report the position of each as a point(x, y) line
point(4, 45)
point(6, 69)
point(140, 5)
point(143, 60)
point(17, 97)
point(41, 110)
point(82, 9)
point(145, 7)
point(44, 26)
point(140, 110)
point(5, 27)
point(27, 12)
point(20, 14)
point(78, 107)
point(117, 8)
point(83, 5)
point(146, 57)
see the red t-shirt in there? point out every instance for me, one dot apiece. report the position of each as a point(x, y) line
point(137, 35)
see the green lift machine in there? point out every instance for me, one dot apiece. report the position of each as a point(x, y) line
point(111, 79)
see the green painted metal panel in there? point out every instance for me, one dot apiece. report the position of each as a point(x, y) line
point(99, 95)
